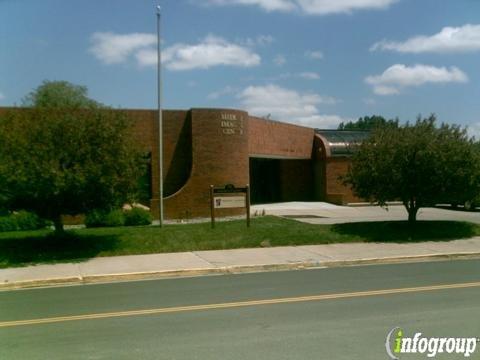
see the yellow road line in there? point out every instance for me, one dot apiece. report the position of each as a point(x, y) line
point(239, 304)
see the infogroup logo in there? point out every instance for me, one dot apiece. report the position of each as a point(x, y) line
point(397, 343)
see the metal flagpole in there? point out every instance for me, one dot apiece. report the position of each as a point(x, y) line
point(160, 120)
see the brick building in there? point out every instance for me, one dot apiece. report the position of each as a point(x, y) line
point(280, 161)
point(203, 147)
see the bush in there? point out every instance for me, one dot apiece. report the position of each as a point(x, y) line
point(29, 221)
point(22, 220)
point(100, 218)
point(138, 216)
point(115, 218)
point(8, 223)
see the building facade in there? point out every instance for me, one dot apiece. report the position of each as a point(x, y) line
point(280, 161)
point(203, 147)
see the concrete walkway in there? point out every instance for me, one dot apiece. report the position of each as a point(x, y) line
point(232, 261)
point(325, 213)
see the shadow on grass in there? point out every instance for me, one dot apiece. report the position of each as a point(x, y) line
point(403, 232)
point(49, 248)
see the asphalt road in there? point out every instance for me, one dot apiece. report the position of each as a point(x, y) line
point(337, 313)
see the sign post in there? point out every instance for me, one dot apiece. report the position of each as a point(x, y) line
point(229, 197)
point(212, 207)
point(248, 205)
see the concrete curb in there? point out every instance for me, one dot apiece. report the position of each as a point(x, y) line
point(92, 279)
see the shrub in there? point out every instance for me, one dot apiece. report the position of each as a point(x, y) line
point(100, 218)
point(23, 220)
point(115, 218)
point(29, 221)
point(7, 223)
point(138, 216)
point(94, 219)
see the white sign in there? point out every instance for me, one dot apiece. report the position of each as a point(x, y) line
point(225, 202)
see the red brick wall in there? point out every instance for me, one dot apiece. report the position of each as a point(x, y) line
point(296, 180)
point(336, 192)
point(272, 138)
point(143, 128)
point(319, 169)
point(219, 157)
point(177, 153)
point(200, 149)
point(327, 172)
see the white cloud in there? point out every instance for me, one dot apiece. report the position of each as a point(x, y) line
point(324, 7)
point(148, 57)
point(279, 60)
point(309, 7)
point(268, 5)
point(2, 96)
point(287, 105)
point(112, 48)
point(314, 54)
point(260, 40)
point(323, 121)
point(309, 75)
point(385, 90)
point(450, 39)
point(211, 51)
point(302, 75)
point(400, 76)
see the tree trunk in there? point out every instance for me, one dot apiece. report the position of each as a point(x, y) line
point(58, 224)
point(412, 209)
point(412, 215)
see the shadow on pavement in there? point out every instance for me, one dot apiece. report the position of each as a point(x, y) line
point(458, 208)
point(403, 232)
point(50, 248)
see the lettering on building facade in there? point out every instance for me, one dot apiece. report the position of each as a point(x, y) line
point(231, 124)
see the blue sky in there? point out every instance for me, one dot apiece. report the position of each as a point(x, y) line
point(311, 62)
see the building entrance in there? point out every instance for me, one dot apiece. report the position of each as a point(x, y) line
point(280, 180)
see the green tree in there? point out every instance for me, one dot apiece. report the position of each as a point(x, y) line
point(420, 164)
point(66, 156)
point(368, 123)
point(60, 94)
point(477, 146)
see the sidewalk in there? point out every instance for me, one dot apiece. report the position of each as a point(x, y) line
point(232, 261)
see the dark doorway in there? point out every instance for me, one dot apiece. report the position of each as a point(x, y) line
point(264, 181)
point(279, 180)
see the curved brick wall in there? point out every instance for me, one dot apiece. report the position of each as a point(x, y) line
point(177, 145)
point(219, 156)
point(328, 170)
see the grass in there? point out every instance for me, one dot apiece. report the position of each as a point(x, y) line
point(33, 247)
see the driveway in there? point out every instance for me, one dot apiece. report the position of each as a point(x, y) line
point(325, 213)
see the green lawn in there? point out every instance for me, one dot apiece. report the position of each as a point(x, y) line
point(31, 247)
